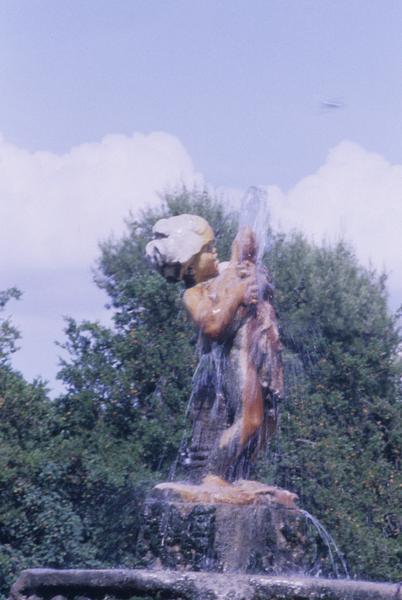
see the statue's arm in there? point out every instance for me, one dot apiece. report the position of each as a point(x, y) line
point(213, 305)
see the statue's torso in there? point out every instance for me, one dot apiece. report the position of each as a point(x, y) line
point(219, 383)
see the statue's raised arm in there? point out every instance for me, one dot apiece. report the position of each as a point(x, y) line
point(239, 379)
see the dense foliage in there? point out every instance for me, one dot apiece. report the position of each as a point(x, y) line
point(340, 440)
point(74, 472)
point(38, 523)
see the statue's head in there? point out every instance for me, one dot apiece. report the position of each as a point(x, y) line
point(183, 248)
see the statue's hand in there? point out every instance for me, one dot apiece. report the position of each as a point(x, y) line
point(251, 294)
point(246, 271)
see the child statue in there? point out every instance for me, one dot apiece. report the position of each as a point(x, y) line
point(239, 379)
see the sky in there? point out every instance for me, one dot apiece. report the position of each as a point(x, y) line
point(106, 104)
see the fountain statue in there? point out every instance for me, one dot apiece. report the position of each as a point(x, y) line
point(239, 379)
point(237, 387)
point(216, 520)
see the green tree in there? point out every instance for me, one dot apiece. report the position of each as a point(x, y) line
point(8, 333)
point(340, 441)
point(38, 524)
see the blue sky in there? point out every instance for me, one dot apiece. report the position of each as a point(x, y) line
point(104, 103)
point(239, 83)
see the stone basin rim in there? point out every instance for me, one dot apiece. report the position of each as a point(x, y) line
point(177, 501)
point(192, 584)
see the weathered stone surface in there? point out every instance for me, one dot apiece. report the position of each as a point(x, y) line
point(215, 490)
point(263, 537)
point(120, 583)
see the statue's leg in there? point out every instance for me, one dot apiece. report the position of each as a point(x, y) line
point(253, 406)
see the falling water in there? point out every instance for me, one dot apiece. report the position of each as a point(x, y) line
point(334, 553)
point(254, 213)
point(208, 374)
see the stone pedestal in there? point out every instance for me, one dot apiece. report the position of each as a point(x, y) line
point(245, 528)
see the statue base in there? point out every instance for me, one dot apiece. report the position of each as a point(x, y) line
point(244, 527)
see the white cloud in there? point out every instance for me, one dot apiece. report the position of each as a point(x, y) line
point(54, 209)
point(356, 195)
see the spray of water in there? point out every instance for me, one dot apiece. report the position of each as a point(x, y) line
point(334, 554)
point(254, 213)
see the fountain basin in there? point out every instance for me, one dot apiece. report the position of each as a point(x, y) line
point(52, 584)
